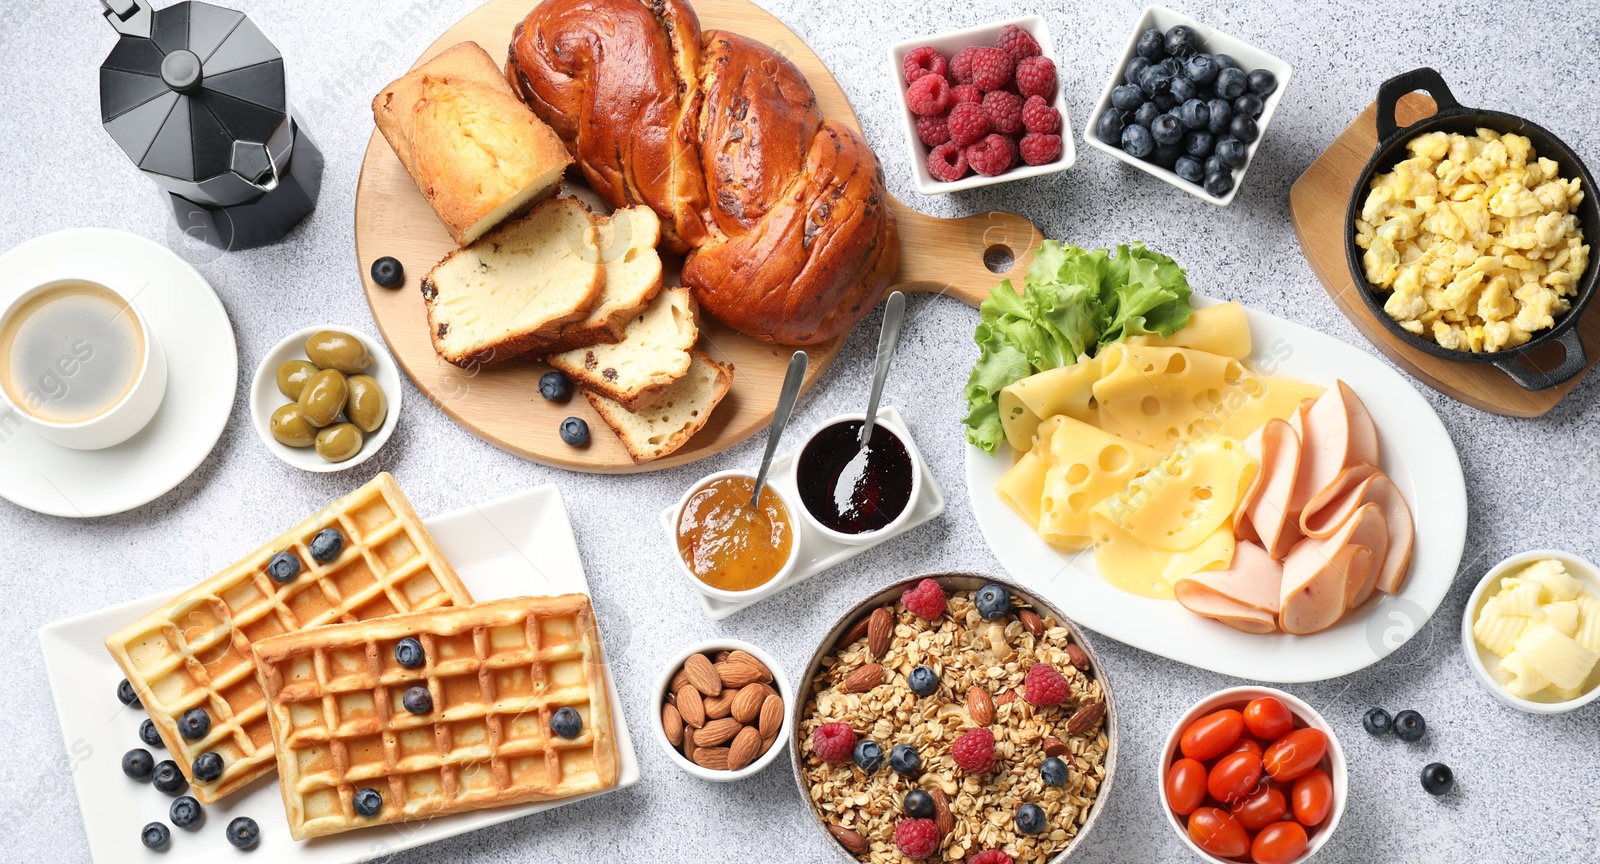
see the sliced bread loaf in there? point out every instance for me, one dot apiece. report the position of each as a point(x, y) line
point(653, 353)
point(628, 241)
point(513, 289)
point(676, 414)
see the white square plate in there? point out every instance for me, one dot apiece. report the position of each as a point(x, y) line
point(518, 545)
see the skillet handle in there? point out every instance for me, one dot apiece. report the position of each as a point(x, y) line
point(1389, 93)
point(1574, 362)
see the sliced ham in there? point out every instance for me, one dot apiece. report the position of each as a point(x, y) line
point(1243, 596)
point(1337, 433)
point(1264, 512)
point(1322, 575)
point(1353, 489)
point(1370, 529)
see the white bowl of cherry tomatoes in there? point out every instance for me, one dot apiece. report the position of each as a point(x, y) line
point(1253, 774)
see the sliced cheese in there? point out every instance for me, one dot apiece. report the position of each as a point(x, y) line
point(1064, 390)
point(1220, 329)
point(1085, 466)
point(1191, 494)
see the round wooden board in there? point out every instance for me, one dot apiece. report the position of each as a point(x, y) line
point(501, 403)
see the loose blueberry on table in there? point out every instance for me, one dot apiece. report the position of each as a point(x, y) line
point(387, 272)
point(155, 836)
point(555, 386)
point(1409, 726)
point(243, 833)
point(575, 431)
point(126, 695)
point(1438, 779)
point(1377, 722)
point(168, 777)
point(138, 764)
point(185, 812)
point(149, 735)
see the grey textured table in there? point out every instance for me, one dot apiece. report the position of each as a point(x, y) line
point(1526, 785)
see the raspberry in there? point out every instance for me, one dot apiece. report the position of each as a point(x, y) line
point(916, 838)
point(1039, 148)
point(1038, 115)
point(929, 96)
point(992, 156)
point(961, 65)
point(1036, 76)
point(923, 61)
point(948, 162)
point(965, 93)
point(1018, 43)
point(932, 131)
point(968, 123)
point(925, 599)
point(990, 856)
point(1043, 686)
point(973, 751)
point(991, 69)
point(1005, 111)
point(833, 742)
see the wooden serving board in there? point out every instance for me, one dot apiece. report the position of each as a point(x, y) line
point(501, 403)
point(1317, 204)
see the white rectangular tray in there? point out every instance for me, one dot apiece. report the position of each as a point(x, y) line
point(518, 545)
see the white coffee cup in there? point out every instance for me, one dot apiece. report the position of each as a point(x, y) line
point(109, 426)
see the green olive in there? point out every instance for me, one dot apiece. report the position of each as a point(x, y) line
point(324, 397)
point(293, 375)
point(367, 406)
point(339, 442)
point(289, 426)
point(330, 349)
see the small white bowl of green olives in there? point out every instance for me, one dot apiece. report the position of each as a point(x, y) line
point(325, 398)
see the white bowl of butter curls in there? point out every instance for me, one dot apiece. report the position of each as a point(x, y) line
point(1531, 631)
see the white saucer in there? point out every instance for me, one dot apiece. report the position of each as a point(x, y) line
point(202, 376)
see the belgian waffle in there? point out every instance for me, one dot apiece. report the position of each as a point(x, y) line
point(194, 651)
point(496, 671)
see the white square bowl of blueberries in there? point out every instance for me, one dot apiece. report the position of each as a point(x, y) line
point(1188, 104)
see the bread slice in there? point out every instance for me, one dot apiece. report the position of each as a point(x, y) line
point(653, 353)
point(514, 288)
point(628, 241)
point(479, 155)
point(676, 414)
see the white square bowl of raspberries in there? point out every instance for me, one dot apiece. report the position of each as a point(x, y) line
point(990, 110)
point(1189, 104)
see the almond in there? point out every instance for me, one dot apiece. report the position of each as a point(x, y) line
point(672, 724)
point(720, 656)
point(1086, 718)
point(1005, 698)
point(763, 674)
point(1054, 746)
point(1076, 656)
point(718, 707)
point(713, 758)
point(864, 679)
point(747, 704)
point(1031, 622)
point(980, 706)
point(852, 841)
point(943, 819)
point(690, 707)
point(717, 732)
point(735, 674)
point(678, 681)
point(688, 747)
point(745, 748)
point(856, 631)
point(702, 675)
point(880, 629)
point(767, 689)
point(771, 718)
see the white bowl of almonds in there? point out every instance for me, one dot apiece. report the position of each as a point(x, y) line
point(722, 709)
point(954, 717)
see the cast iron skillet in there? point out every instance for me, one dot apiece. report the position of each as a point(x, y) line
point(1452, 117)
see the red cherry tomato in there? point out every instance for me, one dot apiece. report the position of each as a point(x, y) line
point(1234, 777)
point(1186, 786)
point(1245, 745)
point(1266, 806)
point(1278, 843)
point(1312, 797)
point(1209, 736)
point(1268, 718)
point(1294, 754)
point(1218, 833)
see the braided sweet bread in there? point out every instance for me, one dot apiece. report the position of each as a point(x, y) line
point(783, 213)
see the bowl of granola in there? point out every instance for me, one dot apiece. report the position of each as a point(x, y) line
point(954, 717)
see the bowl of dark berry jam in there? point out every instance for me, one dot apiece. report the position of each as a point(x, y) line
point(852, 494)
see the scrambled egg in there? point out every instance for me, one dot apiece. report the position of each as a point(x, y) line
point(1475, 238)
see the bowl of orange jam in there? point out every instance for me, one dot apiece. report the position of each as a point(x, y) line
point(729, 549)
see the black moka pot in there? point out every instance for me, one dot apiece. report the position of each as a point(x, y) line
point(195, 95)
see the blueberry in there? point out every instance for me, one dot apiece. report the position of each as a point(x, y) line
point(574, 431)
point(367, 802)
point(283, 567)
point(566, 723)
point(922, 681)
point(1030, 819)
point(1231, 83)
point(1136, 141)
point(1214, 166)
point(207, 767)
point(1437, 778)
point(138, 764)
point(868, 755)
point(1409, 726)
point(1190, 169)
point(1221, 111)
point(1244, 128)
point(417, 700)
point(168, 778)
point(1225, 61)
point(1166, 129)
point(194, 724)
point(918, 804)
point(126, 696)
point(1183, 89)
point(905, 760)
point(408, 653)
point(993, 601)
point(243, 832)
point(388, 272)
point(1377, 722)
point(555, 386)
point(1127, 97)
point(1164, 101)
point(1232, 152)
point(1219, 183)
point(327, 545)
point(1199, 144)
point(1135, 68)
point(1166, 155)
point(1155, 79)
point(155, 836)
point(1109, 127)
point(1249, 105)
point(1173, 65)
point(1150, 45)
point(186, 812)
point(1194, 114)
point(1263, 82)
point(149, 735)
point(1147, 113)
point(1181, 41)
point(1053, 772)
point(1201, 69)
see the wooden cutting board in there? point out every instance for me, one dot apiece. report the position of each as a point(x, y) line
point(1317, 204)
point(501, 403)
